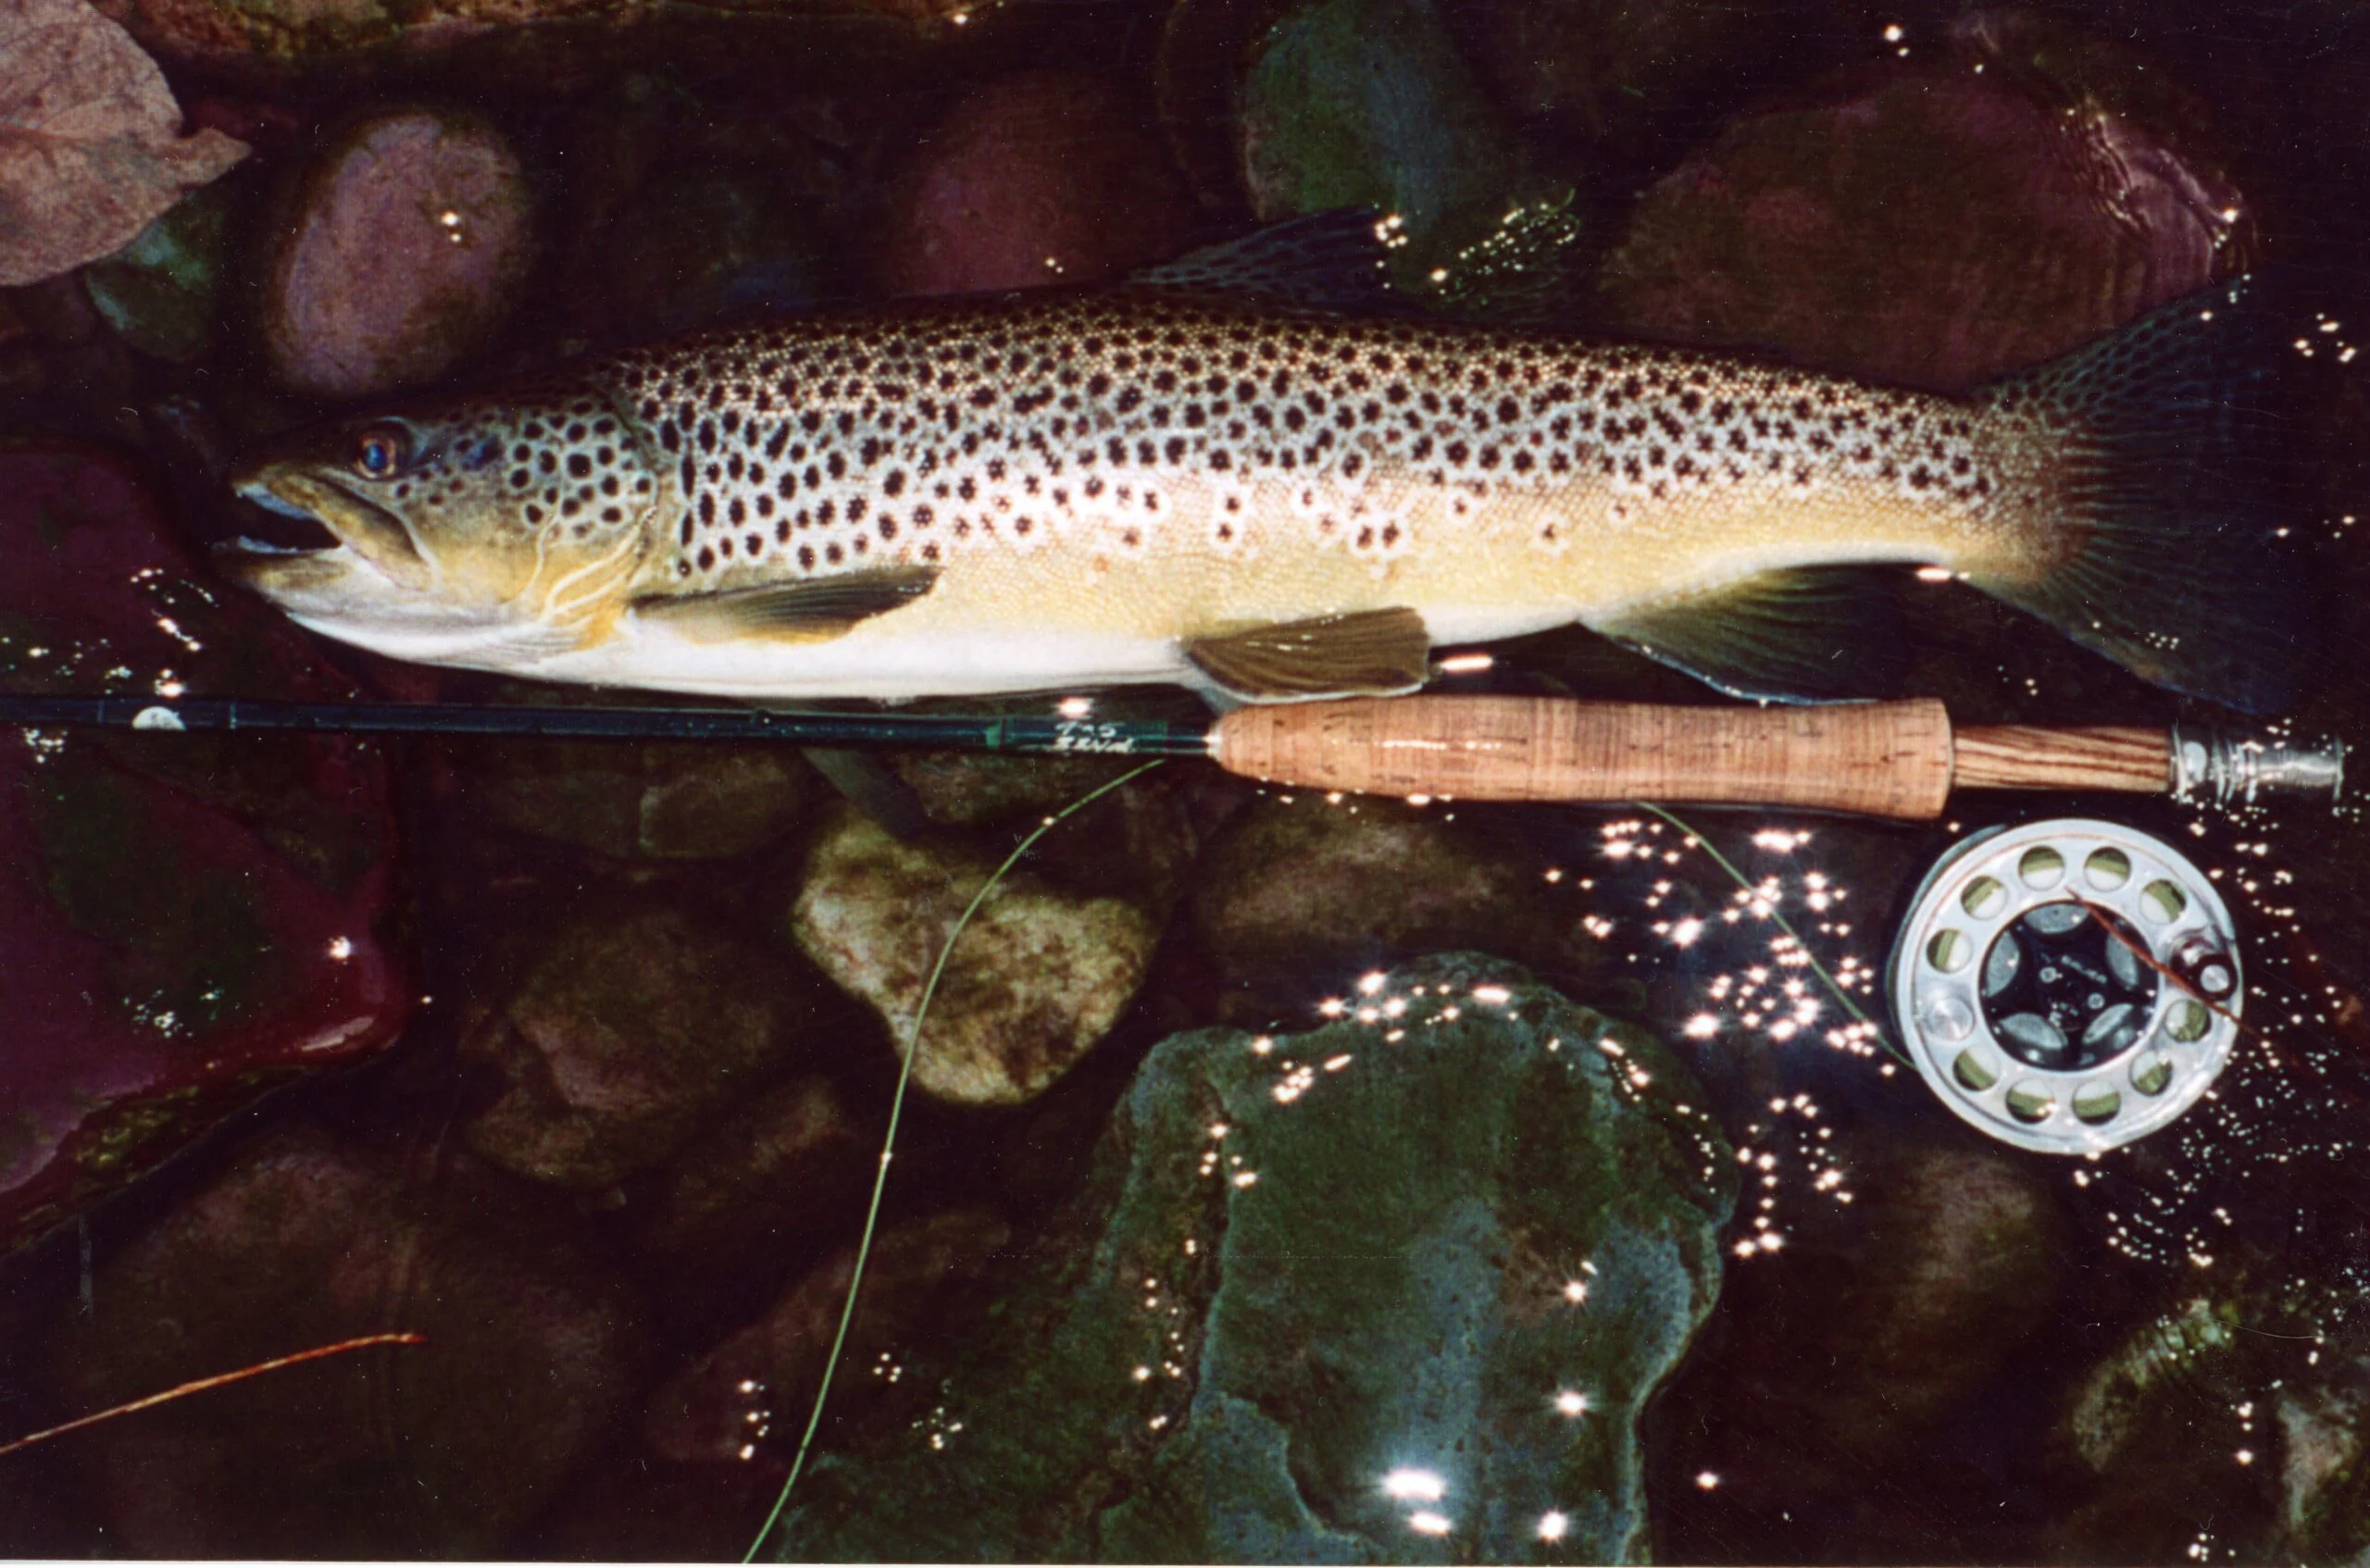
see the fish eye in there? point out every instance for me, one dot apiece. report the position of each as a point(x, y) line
point(381, 450)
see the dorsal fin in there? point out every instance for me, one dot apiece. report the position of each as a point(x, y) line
point(1327, 261)
point(1528, 271)
point(813, 611)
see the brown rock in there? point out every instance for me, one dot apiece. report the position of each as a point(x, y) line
point(1603, 70)
point(1310, 887)
point(1874, 1325)
point(533, 1349)
point(411, 236)
point(659, 801)
point(1980, 207)
point(518, 46)
point(629, 1030)
point(1038, 978)
point(1040, 177)
point(753, 1196)
point(754, 1389)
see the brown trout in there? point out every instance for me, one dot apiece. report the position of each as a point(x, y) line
point(1185, 479)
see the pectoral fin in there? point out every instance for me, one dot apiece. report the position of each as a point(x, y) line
point(813, 611)
point(1816, 634)
point(1370, 652)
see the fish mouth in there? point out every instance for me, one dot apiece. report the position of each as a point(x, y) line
point(309, 532)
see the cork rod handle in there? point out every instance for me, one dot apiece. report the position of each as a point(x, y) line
point(1882, 759)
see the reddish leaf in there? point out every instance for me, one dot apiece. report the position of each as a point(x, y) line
point(91, 149)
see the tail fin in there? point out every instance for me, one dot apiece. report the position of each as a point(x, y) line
point(2181, 564)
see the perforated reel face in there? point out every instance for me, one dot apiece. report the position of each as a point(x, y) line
point(2067, 985)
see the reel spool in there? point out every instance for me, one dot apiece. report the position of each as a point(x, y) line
point(2018, 984)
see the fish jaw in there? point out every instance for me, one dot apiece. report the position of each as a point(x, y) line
point(371, 587)
point(363, 530)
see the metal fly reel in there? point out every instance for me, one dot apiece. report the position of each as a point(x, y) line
point(2067, 985)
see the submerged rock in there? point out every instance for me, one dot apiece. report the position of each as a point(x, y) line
point(695, 246)
point(162, 293)
point(1298, 892)
point(409, 245)
point(2166, 1405)
point(629, 1030)
point(2324, 1463)
point(1607, 72)
point(1038, 978)
point(1040, 177)
point(753, 1197)
point(532, 1351)
point(188, 919)
point(662, 802)
point(1387, 1291)
point(1874, 1323)
point(1370, 103)
point(752, 1390)
point(556, 45)
point(2009, 191)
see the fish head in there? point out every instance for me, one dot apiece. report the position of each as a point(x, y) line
point(489, 531)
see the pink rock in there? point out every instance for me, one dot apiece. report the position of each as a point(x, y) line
point(410, 238)
point(187, 919)
point(1980, 207)
point(1040, 177)
point(532, 1348)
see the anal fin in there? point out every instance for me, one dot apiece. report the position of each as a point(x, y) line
point(1811, 634)
point(815, 610)
point(1368, 653)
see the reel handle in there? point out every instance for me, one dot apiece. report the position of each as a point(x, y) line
point(1880, 759)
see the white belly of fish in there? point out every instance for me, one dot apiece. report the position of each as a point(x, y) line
point(893, 666)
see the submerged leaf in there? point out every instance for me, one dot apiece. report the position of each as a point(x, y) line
point(91, 149)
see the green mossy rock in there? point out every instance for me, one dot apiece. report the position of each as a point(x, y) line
point(1307, 1267)
point(1369, 104)
point(162, 293)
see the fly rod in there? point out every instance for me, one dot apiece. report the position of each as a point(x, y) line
point(1880, 759)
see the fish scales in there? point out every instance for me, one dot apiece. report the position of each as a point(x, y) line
point(1237, 449)
point(1061, 490)
point(1149, 471)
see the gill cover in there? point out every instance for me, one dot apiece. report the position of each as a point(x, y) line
point(491, 530)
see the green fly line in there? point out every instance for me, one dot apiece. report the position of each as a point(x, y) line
point(889, 1139)
point(1834, 989)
